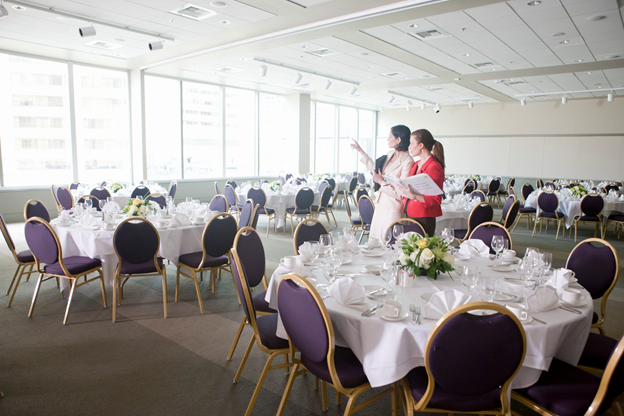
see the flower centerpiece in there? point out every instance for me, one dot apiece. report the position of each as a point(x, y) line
point(579, 190)
point(476, 176)
point(116, 187)
point(138, 207)
point(428, 256)
point(275, 186)
point(317, 177)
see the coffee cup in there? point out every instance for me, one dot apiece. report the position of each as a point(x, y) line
point(570, 295)
point(199, 220)
point(519, 310)
point(392, 308)
point(373, 242)
point(289, 262)
point(509, 255)
point(161, 223)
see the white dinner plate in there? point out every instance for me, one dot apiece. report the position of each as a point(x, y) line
point(513, 261)
point(502, 268)
point(373, 254)
point(502, 296)
point(380, 313)
point(513, 281)
point(572, 305)
point(371, 288)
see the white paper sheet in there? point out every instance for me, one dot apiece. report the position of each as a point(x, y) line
point(421, 183)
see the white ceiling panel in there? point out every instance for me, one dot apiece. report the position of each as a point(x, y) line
point(593, 6)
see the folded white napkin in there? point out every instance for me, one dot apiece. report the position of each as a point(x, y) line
point(203, 211)
point(443, 302)
point(544, 299)
point(348, 293)
point(562, 278)
point(89, 221)
point(180, 220)
point(351, 246)
point(298, 269)
point(477, 248)
point(305, 252)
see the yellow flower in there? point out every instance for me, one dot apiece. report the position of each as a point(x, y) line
point(136, 202)
point(423, 243)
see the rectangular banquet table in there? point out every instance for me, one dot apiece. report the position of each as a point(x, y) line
point(389, 350)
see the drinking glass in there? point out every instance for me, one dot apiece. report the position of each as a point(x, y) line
point(314, 251)
point(470, 276)
point(487, 288)
point(88, 203)
point(103, 203)
point(397, 230)
point(546, 261)
point(326, 241)
point(394, 283)
point(498, 245)
point(189, 199)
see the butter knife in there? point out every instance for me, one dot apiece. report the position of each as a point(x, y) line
point(372, 310)
point(569, 309)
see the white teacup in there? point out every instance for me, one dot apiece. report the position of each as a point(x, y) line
point(289, 262)
point(372, 268)
point(509, 255)
point(199, 220)
point(570, 295)
point(392, 308)
point(373, 242)
point(161, 223)
point(519, 310)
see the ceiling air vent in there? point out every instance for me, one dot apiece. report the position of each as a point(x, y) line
point(100, 44)
point(229, 70)
point(482, 64)
point(434, 89)
point(429, 34)
point(516, 83)
point(393, 75)
point(322, 52)
point(194, 12)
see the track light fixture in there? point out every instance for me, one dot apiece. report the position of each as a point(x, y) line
point(298, 78)
point(381, 109)
point(263, 70)
point(154, 46)
point(407, 107)
point(437, 108)
point(423, 106)
point(327, 84)
point(353, 90)
point(470, 104)
point(564, 100)
point(87, 31)
point(3, 11)
point(610, 97)
point(391, 99)
point(523, 102)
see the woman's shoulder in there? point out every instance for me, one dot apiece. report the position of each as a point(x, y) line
point(405, 156)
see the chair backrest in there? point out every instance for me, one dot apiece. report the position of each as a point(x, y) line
point(596, 268)
point(366, 209)
point(506, 207)
point(36, 208)
point(360, 192)
point(304, 198)
point(511, 214)
point(573, 184)
point(610, 187)
point(611, 383)
point(173, 189)
point(511, 182)
point(512, 191)
point(618, 183)
point(308, 230)
point(246, 214)
point(101, 193)
point(65, 198)
point(478, 194)
point(219, 203)
point(331, 182)
point(480, 213)
point(361, 179)
point(232, 184)
point(487, 230)
point(136, 241)
point(325, 197)
point(288, 176)
point(348, 177)
point(494, 342)
point(592, 205)
point(547, 201)
point(256, 215)
point(468, 188)
point(347, 206)
point(248, 245)
point(493, 186)
point(241, 283)
point(549, 183)
point(158, 198)
point(224, 226)
point(527, 188)
point(140, 191)
point(217, 188)
point(322, 186)
point(409, 224)
point(353, 184)
point(54, 191)
point(539, 183)
point(74, 186)
point(103, 183)
point(95, 203)
point(42, 241)
point(257, 195)
point(6, 235)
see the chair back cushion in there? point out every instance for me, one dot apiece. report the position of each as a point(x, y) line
point(548, 202)
point(173, 189)
point(41, 242)
point(326, 196)
point(353, 184)
point(591, 205)
point(230, 195)
point(527, 188)
point(594, 267)
point(74, 186)
point(309, 231)
point(478, 194)
point(303, 320)
point(486, 232)
point(245, 215)
point(159, 199)
point(219, 235)
point(242, 287)
point(508, 203)
point(360, 192)
point(102, 193)
point(366, 208)
point(65, 198)
point(136, 241)
point(512, 214)
point(37, 209)
point(251, 253)
point(257, 196)
point(361, 179)
point(493, 186)
point(232, 184)
point(469, 188)
point(322, 186)
point(218, 203)
point(304, 198)
point(480, 214)
point(140, 191)
point(331, 182)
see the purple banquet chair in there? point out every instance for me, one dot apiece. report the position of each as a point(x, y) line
point(334, 198)
point(255, 217)
point(232, 184)
point(596, 353)
point(510, 211)
point(24, 260)
point(100, 193)
point(469, 187)
point(480, 213)
point(264, 329)
point(548, 209)
point(360, 192)
point(352, 187)
point(367, 210)
point(141, 190)
point(409, 225)
point(492, 192)
point(356, 222)
point(54, 191)
point(549, 184)
point(232, 200)
point(288, 176)
point(219, 203)
point(217, 188)
point(159, 199)
point(50, 263)
point(539, 183)
point(173, 190)
point(616, 218)
point(512, 191)
point(510, 183)
point(257, 195)
point(65, 198)
point(248, 246)
point(136, 243)
point(308, 230)
point(322, 208)
point(311, 332)
point(478, 194)
point(322, 186)
point(591, 208)
point(103, 184)
point(35, 208)
point(213, 256)
point(597, 270)
point(302, 209)
point(485, 231)
point(525, 210)
point(247, 214)
point(362, 181)
point(74, 186)
point(453, 378)
point(566, 390)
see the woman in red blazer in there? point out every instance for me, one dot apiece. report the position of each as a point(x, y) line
point(425, 209)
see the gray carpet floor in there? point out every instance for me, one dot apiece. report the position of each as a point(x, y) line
point(147, 365)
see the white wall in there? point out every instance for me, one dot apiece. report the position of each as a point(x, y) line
point(582, 139)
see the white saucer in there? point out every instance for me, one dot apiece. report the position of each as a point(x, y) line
point(373, 254)
point(370, 288)
point(462, 257)
point(512, 261)
point(380, 313)
point(371, 268)
point(502, 268)
point(504, 297)
point(513, 281)
point(426, 296)
point(526, 321)
point(572, 305)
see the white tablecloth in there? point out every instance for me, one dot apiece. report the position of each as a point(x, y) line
point(571, 208)
point(122, 196)
point(452, 218)
point(389, 350)
point(277, 202)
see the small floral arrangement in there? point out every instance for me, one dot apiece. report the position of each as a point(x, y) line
point(138, 207)
point(317, 177)
point(275, 186)
point(579, 190)
point(116, 187)
point(476, 176)
point(425, 255)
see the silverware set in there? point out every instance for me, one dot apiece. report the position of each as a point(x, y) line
point(371, 311)
point(415, 310)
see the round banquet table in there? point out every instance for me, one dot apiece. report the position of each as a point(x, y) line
point(77, 240)
point(452, 218)
point(389, 350)
point(122, 196)
point(278, 202)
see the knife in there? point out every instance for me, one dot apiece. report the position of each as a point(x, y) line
point(569, 309)
point(372, 310)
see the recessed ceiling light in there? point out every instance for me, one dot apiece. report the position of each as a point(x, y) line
point(612, 57)
point(370, 67)
point(597, 84)
point(62, 18)
point(119, 40)
point(19, 8)
point(558, 34)
point(466, 54)
point(219, 4)
point(426, 76)
point(413, 25)
point(493, 69)
point(225, 22)
point(243, 59)
point(457, 79)
point(364, 54)
point(534, 3)
point(563, 42)
point(304, 46)
point(588, 73)
point(596, 18)
point(579, 60)
point(172, 21)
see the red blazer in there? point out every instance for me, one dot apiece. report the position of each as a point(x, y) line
point(431, 207)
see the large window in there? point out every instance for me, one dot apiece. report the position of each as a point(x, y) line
point(35, 127)
point(239, 132)
point(325, 123)
point(201, 115)
point(278, 155)
point(102, 124)
point(366, 131)
point(348, 128)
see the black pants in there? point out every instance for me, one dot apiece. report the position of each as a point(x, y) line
point(428, 223)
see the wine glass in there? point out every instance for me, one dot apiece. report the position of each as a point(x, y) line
point(387, 238)
point(394, 283)
point(448, 236)
point(326, 241)
point(88, 203)
point(487, 288)
point(469, 277)
point(314, 251)
point(397, 231)
point(546, 261)
point(103, 203)
point(498, 245)
point(524, 270)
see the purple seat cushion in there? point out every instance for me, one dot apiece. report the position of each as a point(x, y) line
point(267, 326)
point(553, 215)
point(527, 210)
point(597, 351)
point(25, 256)
point(563, 389)
point(356, 220)
point(442, 399)
point(147, 267)
point(298, 211)
point(193, 260)
point(265, 211)
point(348, 368)
point(74, 265)
point(587, 218)
point(594, 318)
point(260, 304)
point(367, 227)
point(460, 234)
point(617, 217)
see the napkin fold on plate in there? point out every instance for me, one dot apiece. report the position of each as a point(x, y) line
point(474, 248)
point(305, 252)
point(349, 293)
point(351, 246)
point(180, 220)
point(89, 221)
point(563, 277)
point(203, 211)
point(443, 302)
point(544, 299)
point(298, 269)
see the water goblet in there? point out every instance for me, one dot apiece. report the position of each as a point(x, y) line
point(314, 251)
point(546, 261)
point(394, 288)
point(326, 242)
point(498, 245)
point(487, 288)
point(469, 277)
point(397, 231)
point(88, 203)
point(103, 203)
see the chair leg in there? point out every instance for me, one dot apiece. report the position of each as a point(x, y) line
point(575, 231)
point(244, 360)
point(265, 371)
point(35, 294)
point(335, 222)
point(237, 337)
point(69, 301)
point(558, 225)
point(328, 220)
point(115, 286)
point(164, 282)
point(177, 287)
point(23, 269)
point(292, 227)
point(19, 266)
point(324, 405)
point(291, 380)
point(338, 399)
point(535, 227)
point(103, 290)
point(199, 299)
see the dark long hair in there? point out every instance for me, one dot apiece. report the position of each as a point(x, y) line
point(401, 132)
point(435, 147)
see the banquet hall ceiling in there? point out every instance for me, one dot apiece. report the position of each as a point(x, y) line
point(449, 52)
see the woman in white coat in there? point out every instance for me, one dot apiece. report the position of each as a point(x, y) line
point(389, 205)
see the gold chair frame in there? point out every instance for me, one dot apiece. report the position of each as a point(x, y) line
point(254, 208)
point(603, 303)
point(269, 216)
point(484, 195)
point(306, 221)
point(505, 219)
point(559, 220)
point(331, 203)
point(354, 227)
point(255, 339)
point(299, 368)
point(101, 188)
point(365, 232)
point(118, 285)
point(468, 230)
point(318, 210)
point(236, 212)
point(598, 223)
point(619, 226)
point(55, 198)
point(410, 406)
point(495, 224)
point(21, 267)
point(530, 216)
point(291, 216)
point(71, 277)
point(155, 196)
point(30, 201)
point(401, 220)
point(539, 183)
point(216, 188)
point(609, 371)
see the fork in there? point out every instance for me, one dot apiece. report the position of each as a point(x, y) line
point(415, 313)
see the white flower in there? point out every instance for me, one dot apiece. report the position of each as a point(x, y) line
point(426, 257)
point(448, 257)
point(403, 258)
point(132, 210)
point(413, 256)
